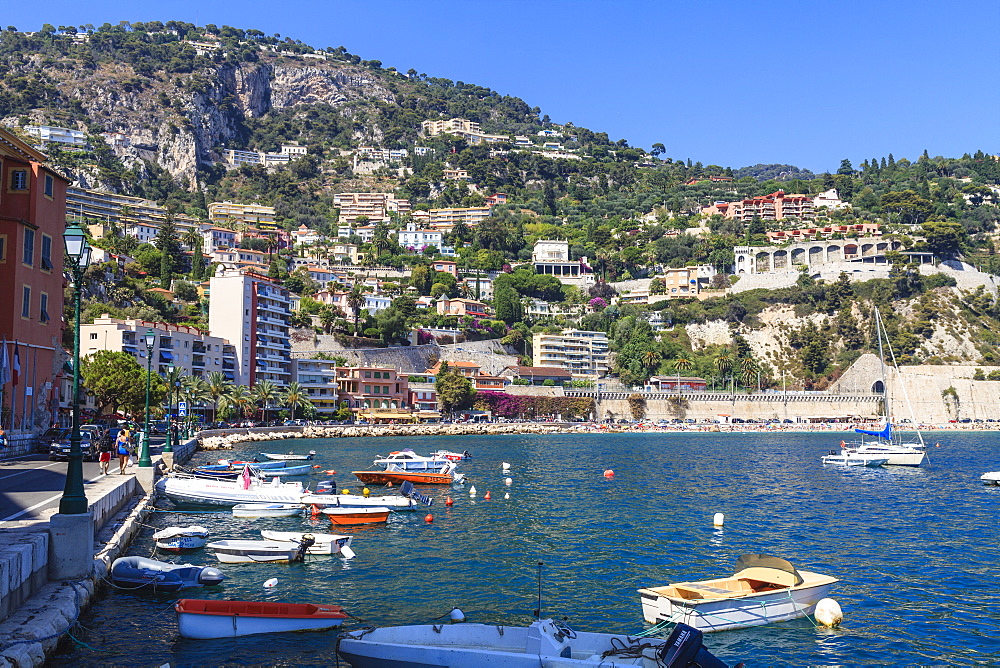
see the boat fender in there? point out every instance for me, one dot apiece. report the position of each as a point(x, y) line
point(506, 466)
point(508, 481)
point(829, 613)
point(273, 582)
point(366, 492)
point(507, 495)
point(456, 616)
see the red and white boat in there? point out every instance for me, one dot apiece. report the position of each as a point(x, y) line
point(451, 456)
point(198, 618)
point(395, 474)
point(348, 516)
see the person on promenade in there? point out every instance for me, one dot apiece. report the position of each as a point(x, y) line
point(105, 456)
point(123, 448)
point(3, 438)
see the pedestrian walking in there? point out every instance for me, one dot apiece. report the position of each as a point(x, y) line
point(105, 457)
point(3, 438)
point(123, 448)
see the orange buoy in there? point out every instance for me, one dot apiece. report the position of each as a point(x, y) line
point(330, 472)
point(315, 466)
point(389, 484)
point(429, 518)
point(609, 474)
point(315, 510)
point(487, 496)
point(448, 502)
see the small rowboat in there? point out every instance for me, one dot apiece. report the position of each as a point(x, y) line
point(255, 465)
point(348, 516)
point(763, 590)
point(326, 543)
point(289, 457)
point(228, 619)
point(266, 510)
point(254, 551)
point(177, 539)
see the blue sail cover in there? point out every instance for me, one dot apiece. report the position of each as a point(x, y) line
point(885, 433)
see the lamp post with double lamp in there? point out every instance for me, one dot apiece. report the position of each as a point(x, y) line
point(150, 340)
point(71, 530)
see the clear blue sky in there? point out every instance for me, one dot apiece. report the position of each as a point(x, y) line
point(728, 82)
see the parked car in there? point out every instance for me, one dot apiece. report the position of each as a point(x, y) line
point(59, 448)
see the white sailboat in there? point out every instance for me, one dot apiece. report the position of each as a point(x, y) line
point(888, 444)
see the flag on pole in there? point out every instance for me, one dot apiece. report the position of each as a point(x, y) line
point(4, 364)
point(17, 364)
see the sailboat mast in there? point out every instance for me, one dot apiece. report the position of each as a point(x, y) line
point(879, 331)
point(895, 365)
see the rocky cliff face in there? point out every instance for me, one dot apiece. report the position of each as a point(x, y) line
point(181, 120)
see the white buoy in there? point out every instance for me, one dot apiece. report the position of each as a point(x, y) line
point(828, 613)
point(472, 492)
point(507, 495)
point(718, 519)
point(506, 466)
point(456, 615)
point(508, 481)
point(273, 582)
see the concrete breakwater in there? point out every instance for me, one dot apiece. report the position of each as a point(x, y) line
point(227, 441)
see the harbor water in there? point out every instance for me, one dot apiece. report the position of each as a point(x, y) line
point(916, 549)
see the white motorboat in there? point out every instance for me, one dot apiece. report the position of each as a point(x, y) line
point(289, 457)
point(267, 509)
point(763, 590)
point(203, 618)
point(202, 491)
point(543, 644)
point(407, 460)
point(143, 573)
point(177, 539)
point(254, 551)
point(851, 458)
point(325, 543)
point(991, 478)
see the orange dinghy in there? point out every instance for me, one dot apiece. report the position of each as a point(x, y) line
point(346, 516)
point(198, 618)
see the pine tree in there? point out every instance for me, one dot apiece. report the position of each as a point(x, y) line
point(169, 246)
point(197, 261)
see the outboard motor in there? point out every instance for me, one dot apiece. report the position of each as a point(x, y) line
point(326, 487)
point(210, 577)
point(684, 648)
point(308, 540)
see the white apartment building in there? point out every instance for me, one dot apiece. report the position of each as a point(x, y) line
point(194, 352)
point(382, 154)
point(217, 238)
point(417, 239)
point(582, 353)
point(121, 209)
point(305, 236)
point(48, 133)
point(253, 312)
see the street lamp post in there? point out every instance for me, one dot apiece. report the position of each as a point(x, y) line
point(150, 339)
point(177, 400)
point(168, 445)
point(74, 500)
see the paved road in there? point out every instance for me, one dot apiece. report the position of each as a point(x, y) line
point(31, 485)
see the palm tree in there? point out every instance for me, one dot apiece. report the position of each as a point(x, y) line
point(265, 392)
point(238, 398)
point(294, 396)
point(651, 358)
point(748, 370)
point(681, 364)
point(356, 300)
point(195, 391)
point(217, 386)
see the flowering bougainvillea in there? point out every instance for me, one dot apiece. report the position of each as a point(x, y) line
point(506, 405)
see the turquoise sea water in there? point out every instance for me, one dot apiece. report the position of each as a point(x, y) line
point(916, 550)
